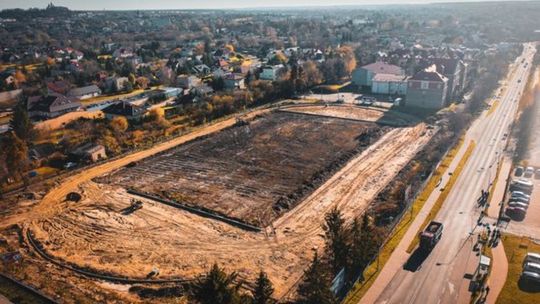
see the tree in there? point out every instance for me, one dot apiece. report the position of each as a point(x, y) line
point(312, 75)
point(364, 244)
point(15, 151)
point(20, 123)
point(315, 289)
point(336, 239)
point(119, 124)
point(263, 290)
point(218, 83)
point(110, 142)
point(349, 59)
point(217, 287)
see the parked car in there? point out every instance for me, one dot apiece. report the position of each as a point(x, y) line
point(522, 185)
point(519, 171)
point(519, 199)
point(516, 212)
point(515, 204)
point(530, 276)
point(528, 172)
point(537, 174)
point(532, 267)
point(531, 257)
point(520, 194)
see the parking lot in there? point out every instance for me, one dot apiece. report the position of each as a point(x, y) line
point(530, 225)
point(352, 98)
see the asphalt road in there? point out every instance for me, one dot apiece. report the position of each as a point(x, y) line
point(439, 277)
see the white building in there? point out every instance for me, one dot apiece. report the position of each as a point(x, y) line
point(389, 84)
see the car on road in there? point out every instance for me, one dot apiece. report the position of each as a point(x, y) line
point(430, 236)
point(528, 172)
point(519, 171)
point(520, 194)
point(515, 204)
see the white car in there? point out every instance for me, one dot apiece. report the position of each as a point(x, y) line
point(531, 257)
point(518, 204)
point(529, 171)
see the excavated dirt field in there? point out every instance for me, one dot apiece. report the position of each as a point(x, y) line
point(95, 234)
point(354, 112)
point(252, 172)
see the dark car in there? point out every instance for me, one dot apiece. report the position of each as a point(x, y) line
point(519, 171)
point(516, 212)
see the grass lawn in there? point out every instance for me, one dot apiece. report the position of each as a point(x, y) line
point(372, 271)
point(516, 248)
point(444, 194)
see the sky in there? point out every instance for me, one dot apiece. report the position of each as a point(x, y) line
point(195, 4)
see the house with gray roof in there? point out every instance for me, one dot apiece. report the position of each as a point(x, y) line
point(85, 92)
point(363, 76)
point(51, 106)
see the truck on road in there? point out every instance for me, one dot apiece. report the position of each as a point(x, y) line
point(431, 235)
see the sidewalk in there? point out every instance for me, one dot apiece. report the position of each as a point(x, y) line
point(499, 269)
point(499, 188)
point(400, 255)
point(498, 274)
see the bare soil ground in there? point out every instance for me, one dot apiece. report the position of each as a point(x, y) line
point(355, 112)
point(252, 172)
point(94, 233)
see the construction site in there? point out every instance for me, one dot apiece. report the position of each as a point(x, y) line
point(248, 193)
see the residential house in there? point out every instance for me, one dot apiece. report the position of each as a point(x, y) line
point(89, 152)
point(116, 84)
point(202, 90)
point(123, 53)
point(427, 89)
point(188, 82)
point(202, 70)
point(270, 72)
point(58, 87)
point(363, 76)
point(85, 92)
point(234, 81)
point(10, 96)
point(52, 105)
point(451, 69)
point(389, 84)
point(124, 109)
